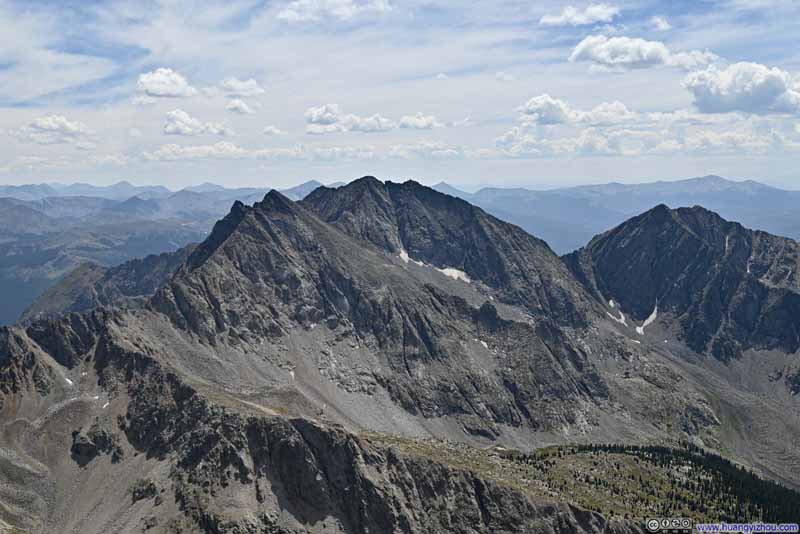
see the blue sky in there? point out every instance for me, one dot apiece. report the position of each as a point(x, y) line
point(250, 92)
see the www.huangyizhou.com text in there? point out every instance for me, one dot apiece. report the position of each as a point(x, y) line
point(746, 527)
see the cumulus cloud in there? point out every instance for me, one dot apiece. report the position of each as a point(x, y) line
point(713, 142)
point(572, 16)
point(181, 123)
point(623, 53)
point(54, 129)
point(165, 83)
point(318, 10)
point(745, 87)
point(546, 110)
point(426, 150)
point(237, 105)
point(420, 121)
point(273, 130)
point(660, 24)
point(329, 118)
point(241, 88)
point(520, 142)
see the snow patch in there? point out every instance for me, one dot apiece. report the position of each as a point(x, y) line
point(69, 382)
point(291, 373)
point(727, 244)
point(621, 319)
point(636, 341)
point(612, 303)
point(96, 397)
point(647, 322)
point(406, 258)
point(105, 405)
point(485, 345)
point(455, 274)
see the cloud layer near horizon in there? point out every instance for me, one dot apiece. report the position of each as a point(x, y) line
point(188, 91)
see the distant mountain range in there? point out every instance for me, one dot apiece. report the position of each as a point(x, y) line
point(47, 230)
point(568, 218)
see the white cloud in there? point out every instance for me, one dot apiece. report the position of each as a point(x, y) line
point(53, 130)
point(35, 62)
point(546, 110)
point(712, 142)
point(329, 118)
point(237, 105)
point(442, 76)
point(660, 24)
point(181, 123)
point(622, 53)
point(317, 10)
point(420, 121)
point(426, 150)
point(165, 82)
point(173, 152)
point(134, 132)
point(273, 130)
point(746, 87)
point(572, 16)
point(241, 88)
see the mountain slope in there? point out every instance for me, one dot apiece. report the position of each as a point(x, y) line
point(729, 288)
point(290, 375)
point(456, 237)
point(92, 285)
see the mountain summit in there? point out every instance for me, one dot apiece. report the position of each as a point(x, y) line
point(728, 288)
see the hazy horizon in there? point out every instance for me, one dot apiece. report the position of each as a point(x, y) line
point(465, 187)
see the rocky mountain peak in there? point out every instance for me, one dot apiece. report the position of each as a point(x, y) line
point(729, 288)
point(450, 234)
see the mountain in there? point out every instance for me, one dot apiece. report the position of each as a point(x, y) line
point(92, 285)
point(42, 239)
point(206, 187)
point(17, 217)
point(299, 192)
point(135, 207)
point(37, 251)
point(382, 357)
point(447, 189)
point(231, 383)
point(567, 218)
point(728, 288)
point(118, 191)
point(28, 191)
point(455, 237)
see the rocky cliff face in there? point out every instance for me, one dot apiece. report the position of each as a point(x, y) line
point(150, 452)
point(449, 233)
point(728, 288)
